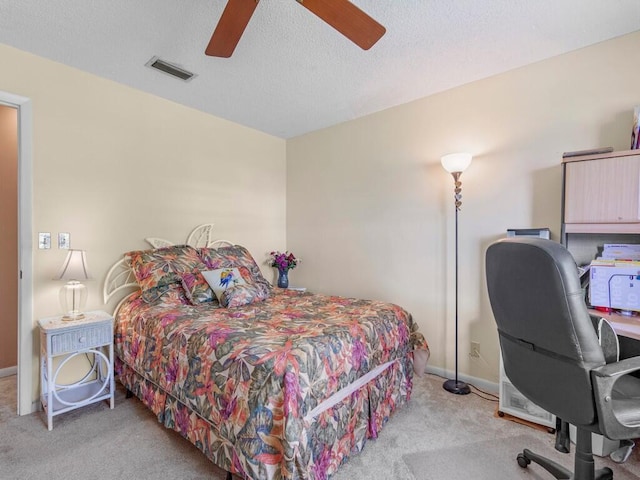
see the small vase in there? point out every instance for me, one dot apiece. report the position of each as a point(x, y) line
point(283, 278)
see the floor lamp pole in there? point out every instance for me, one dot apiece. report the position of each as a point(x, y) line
point(456, 386)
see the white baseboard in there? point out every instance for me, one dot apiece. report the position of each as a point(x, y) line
point(6, 372)
point(480, 383)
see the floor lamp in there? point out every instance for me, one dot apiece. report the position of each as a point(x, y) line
point(455, 164)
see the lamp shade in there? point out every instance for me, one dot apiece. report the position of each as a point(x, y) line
point(456, 162)
point(73, 295)
point(74, 267)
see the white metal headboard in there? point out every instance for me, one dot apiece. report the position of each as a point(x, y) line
point(120, 276)
point(201, 236)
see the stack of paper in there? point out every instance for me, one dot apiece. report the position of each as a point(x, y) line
point(621, 251)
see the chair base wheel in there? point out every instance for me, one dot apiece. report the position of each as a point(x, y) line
point(558, 471)
point(523, 461)
point(585, 470)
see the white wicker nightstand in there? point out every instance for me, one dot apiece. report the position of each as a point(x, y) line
point(91, 336)
point(298, 289)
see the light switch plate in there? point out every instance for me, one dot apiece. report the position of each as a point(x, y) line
point(44, 240)
point(64, 240)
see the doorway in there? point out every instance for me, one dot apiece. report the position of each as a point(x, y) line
point(25, 341)
point(9, 271)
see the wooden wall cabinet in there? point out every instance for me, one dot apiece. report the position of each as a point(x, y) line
point(602, 193)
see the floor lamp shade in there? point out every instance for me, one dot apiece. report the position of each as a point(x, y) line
point(455, 164)
point(73, 295)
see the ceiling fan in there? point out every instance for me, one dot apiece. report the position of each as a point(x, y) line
point(342, 15)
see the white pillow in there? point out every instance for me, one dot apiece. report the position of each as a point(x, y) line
point(222, 279)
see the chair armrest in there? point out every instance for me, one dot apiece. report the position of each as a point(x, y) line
point(616, 369)
point(603, 379)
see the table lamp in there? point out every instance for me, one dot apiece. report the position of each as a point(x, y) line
point(73, 295)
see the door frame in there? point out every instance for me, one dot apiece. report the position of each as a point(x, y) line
point(26, 340)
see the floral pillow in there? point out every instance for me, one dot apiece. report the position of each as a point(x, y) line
point(236, 256)
point(154, 294)
point(174, 294)
point(241, 295)
point(196, 288)
point(156, 269)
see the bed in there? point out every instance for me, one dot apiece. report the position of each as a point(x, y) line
point(268, 383)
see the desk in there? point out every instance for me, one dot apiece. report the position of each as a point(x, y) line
point(624, 326)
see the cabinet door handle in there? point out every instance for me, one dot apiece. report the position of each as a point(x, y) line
point(81, 339)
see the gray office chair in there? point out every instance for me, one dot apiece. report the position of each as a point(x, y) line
point(551, 352)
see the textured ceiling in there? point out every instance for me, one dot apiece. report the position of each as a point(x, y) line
point(291, 73)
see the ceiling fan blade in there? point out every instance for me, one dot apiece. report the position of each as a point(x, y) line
point(234, 20)
point(348, 19)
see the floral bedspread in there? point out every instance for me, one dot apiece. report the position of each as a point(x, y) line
point(254, 373)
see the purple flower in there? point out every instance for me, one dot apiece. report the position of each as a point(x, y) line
point(283, 261)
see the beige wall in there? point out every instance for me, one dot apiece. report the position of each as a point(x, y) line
point(8, 237)
point(370, 209)
point(113, 165)
point(367, 205)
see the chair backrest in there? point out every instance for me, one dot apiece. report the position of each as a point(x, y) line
point(547, 338)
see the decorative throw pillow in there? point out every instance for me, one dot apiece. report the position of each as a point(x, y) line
point(156, 269)
point(196, 288)
point(174, 294)
point(223, 278)
point(241, 295)
point(152, 295)
point(236, 256)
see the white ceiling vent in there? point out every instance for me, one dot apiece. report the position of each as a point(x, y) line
point(170, 69)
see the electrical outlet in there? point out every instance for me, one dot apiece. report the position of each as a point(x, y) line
point(474, 351)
